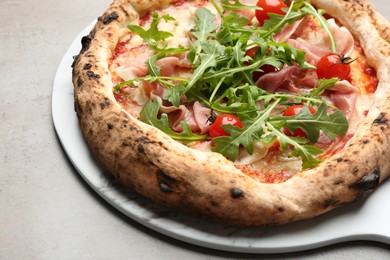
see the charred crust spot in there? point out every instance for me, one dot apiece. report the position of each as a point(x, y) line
point(280, 209)
point(165, 182)
point(126, 143)
point(142, 139)
point(75, 59)
point(86, 41)
point(91, 74)
point(87, 66)
point(381, 119)
point(105, 103)
point(368, 183)
point(164, 187)
point(338, 182)
point(339, 159)
point(124, 10)
point(109, 18)
point(329, 202)
point(236, 193)
point(214, 203)
point(110, 126)
point(366, 141)
point(141, 149)
point(79, 81)
point(77, 108)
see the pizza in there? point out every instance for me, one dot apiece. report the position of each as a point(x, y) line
point(248, 113)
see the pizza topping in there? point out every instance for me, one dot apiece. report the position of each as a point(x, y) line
point(334, 65)
point(269, 6)
point(233, 67)
point(289, 79)
point(217, 127)
point(292, 111)
point(149, 115)
point(344, 96)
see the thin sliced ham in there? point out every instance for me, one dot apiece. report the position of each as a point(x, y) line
point(168, 65)
point(129, 73)
point(289, 79)
point(307, 35)
point(195, 115)
point(344, 96)
point(133, 62)
point(202, 115)
point(290, 31)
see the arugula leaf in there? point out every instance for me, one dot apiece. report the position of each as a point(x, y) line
point(151, 64)
point(149, 115)
point(253, 128)
point(277, 22)
point(321, 86)
point(207, 60)
point(331, 125)
point(236, 6)
point(229, 24)
point(153, 34)
point(290, 55)
point(206, 25)
point(154, 37)
point(306, 152)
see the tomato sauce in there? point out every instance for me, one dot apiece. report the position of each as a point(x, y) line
point(362, 76)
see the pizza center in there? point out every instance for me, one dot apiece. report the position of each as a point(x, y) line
point(274, 96)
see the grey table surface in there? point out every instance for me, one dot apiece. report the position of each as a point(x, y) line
point(47, 211)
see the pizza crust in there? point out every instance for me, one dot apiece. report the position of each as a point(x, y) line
point(206, 183)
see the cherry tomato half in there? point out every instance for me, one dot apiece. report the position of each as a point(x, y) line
point(269, 6)
point(292, 111)
point(216, 129)
point(333, 65)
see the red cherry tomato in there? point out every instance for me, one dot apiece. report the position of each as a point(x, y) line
point(292, 111)
point(251, 52)
point(269, 6)
point(216, 129)
point(333, 65)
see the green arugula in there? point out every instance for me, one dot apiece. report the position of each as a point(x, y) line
point(156, 38)
point(153, 35)
point(236, 6)
point(332, 125)
point(252, 130)
point(149, 115)
point(301, 149)
point(222, 80)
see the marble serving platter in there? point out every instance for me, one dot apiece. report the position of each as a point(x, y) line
point(364, 220)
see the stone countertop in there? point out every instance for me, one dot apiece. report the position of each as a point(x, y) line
point(47, 211)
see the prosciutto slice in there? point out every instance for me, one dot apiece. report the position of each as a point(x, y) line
point(307, 35)
point(290, 79)
point(195, 115)
point(343, 96)
point(169, 65)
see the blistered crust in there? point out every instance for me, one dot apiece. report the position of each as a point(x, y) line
point(156, 166)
